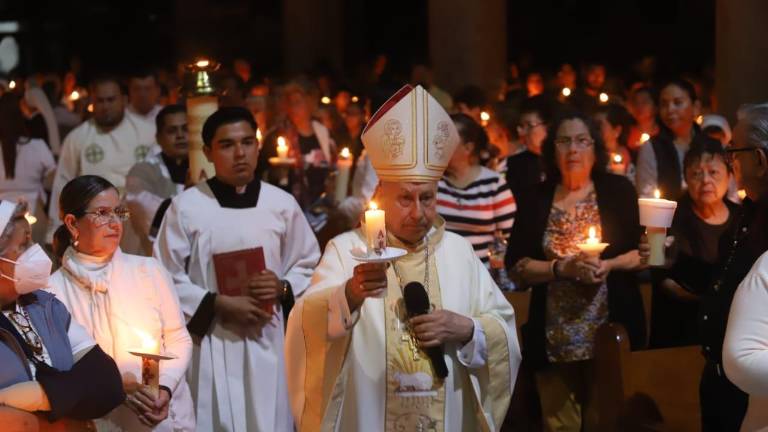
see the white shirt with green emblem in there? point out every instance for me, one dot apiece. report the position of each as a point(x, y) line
point(90, 150)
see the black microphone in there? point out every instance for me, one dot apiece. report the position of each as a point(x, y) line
point(417, 303)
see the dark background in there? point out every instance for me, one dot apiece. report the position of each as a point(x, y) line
point(120, 35)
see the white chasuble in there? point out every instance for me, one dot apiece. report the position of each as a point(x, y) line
point(237, 378)
point(342, 365)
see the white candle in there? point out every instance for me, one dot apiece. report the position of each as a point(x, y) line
point(199, 108)
point(484, 118)
point(375, 229)
point(593, 246)
point(282, 148)
point(656, 215)
point(617, 164)
point(343, 166)
point(150, 366)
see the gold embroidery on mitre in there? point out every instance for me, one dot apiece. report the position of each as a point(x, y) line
point(394, 141)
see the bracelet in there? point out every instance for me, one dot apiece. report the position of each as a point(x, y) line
point(286, 287)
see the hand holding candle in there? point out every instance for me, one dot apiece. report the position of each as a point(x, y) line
point(375, 229)
point(150, 361)
point(656, 215)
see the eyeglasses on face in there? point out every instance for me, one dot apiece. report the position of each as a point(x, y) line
point(580, 142)
point(105, 215)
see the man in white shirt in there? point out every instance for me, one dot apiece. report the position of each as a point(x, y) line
point(107, 145)
point(144, 96)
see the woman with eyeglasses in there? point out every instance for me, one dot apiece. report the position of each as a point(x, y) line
point(702, 217)
point(49, 365)
point(125, 302)
point(572, 293)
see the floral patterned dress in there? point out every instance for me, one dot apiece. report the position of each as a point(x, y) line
point(574, 311)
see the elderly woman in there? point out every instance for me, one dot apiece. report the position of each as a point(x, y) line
point(574, 294)
point(703, 216)
point(49, 363)
point(123, 301)
point(660, 160)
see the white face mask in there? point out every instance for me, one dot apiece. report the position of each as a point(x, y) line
point(33, 268)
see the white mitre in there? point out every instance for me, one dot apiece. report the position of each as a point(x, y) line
point(410, 138)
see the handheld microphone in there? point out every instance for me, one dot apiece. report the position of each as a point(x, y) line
point(417, 303)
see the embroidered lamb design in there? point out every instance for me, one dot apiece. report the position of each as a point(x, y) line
point(393, 138)
point(418, 381)
point(441, 137)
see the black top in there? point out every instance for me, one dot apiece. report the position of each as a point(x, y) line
point(619, 216)
point(178, 171)
point(739, 249)
point(669, 175)
point(524, 173)
point(228, 197)
point(696, 251)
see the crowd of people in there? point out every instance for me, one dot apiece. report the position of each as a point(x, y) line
point(486, 192)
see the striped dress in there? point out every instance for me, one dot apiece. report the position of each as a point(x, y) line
point(477, 211)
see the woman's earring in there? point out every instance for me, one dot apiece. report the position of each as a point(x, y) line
point(76, 242)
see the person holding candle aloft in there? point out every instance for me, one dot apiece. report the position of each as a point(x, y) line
point(660, 160)
point(237, 374)
point(50, 365)
point(574, 293)
point(118, 298)
point(351, 329)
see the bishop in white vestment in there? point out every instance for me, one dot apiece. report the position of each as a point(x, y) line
point(356, 358)
point(237, 374)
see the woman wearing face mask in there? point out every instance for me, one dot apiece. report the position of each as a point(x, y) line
point(122, 300)
point(48, 362)
point(660, 160)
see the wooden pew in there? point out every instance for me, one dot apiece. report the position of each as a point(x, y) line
point(13, 420)
point(649, 390)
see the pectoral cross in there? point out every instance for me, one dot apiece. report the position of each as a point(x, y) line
point(412, 344)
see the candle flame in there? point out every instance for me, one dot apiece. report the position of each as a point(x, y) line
point(644, 137)
point(31, 219)
point(149, 344)
point(345, 153)
point(617, 158)
point(657, 194)
point(355, 99)
point(592, 239)
point(258, 134)
point(742, 193)
point(90, 107)
point(12, 85)
point(202, 63)
point(75, 95)
point(373, 206)
point(700, 119)
point(325, 100)
point(566, 91)
point(604, 97)
point(281, 142)
point(484, 116)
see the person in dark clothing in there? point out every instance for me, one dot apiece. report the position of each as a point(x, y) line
point(660, 160)
point(703, 217)
point(723, 405)
point(573, 294)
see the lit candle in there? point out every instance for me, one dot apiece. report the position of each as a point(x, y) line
point(355, 99)
point(566, 91)
point(742, 194)
point(90, 108)
point(343, 166)
point(700, 119)
point(30, 219)
point(375, 229)
point(603, 97)
point(12, 85)
point(150, 362)
point(282, 148)
point(656, 216)
point(258, 135)
point(644, 137)
point(484, 118)
point(325, 100)
point(617, 164)
point(75, 95)
point(593, 246)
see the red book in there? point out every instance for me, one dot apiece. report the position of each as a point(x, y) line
point(235, 269)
